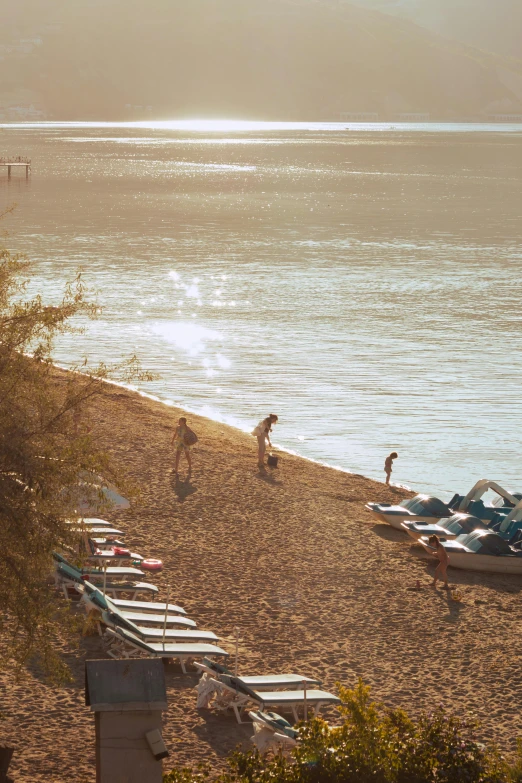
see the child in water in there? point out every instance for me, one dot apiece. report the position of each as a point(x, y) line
point(388, 462)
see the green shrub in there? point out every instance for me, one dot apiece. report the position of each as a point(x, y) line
point(373, 744)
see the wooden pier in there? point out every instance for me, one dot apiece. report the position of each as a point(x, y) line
point(18, 162)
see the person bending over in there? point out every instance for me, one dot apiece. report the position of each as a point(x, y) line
point(262, 433)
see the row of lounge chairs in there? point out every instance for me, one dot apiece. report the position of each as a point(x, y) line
point(131, 626)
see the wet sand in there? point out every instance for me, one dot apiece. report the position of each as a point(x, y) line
point(296, 563)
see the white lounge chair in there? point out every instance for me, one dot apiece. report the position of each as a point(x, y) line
point(173, 620)
point(113, 572)
point(93, 573)
point(114, 620)
point(126, 645)
point(68, 578)
point(153, 607)
point(232, 693)
point(95, 600)
point(272, 732)
point(88, 522)
point(148, 606)
point(95, 555)
point(92, 526)
point(107, 543)
point(259, 682)
point(106, 531)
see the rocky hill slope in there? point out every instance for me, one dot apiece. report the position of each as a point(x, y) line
point(284, 59)
point(492, 26)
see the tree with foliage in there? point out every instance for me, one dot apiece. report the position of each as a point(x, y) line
point(43, 453)
point(372, 745)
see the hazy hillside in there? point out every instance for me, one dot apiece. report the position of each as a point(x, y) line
point(287, 59)
point(493, 25)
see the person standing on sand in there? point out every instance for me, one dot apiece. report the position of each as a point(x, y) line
point(178, 441)
point(262, 433)
point(388, 463)
point(443, 558)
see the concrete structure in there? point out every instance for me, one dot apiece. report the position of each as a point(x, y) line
point(412, 116)
point(127, 697)
point(505, 117)
point(15, 163)
point(359, 116)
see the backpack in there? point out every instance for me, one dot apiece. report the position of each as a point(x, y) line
point(190, 438)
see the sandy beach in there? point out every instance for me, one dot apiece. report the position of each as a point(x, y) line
point(296, 563)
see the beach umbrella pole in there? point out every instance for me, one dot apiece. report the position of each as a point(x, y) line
point(166, 615)
point(236, 666)
point(305, 703)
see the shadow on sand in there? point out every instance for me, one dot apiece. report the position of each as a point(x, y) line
point(454, 607)
point(211, 732)
point(73, 660)
point(269, 477)
point(389, 533)
point(182, 488)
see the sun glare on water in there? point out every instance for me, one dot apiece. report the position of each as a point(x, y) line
point(195, 125)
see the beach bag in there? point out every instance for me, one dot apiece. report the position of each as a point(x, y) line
point(190, 438)
point(121, 551)
point(272, 460)
point(261, 431)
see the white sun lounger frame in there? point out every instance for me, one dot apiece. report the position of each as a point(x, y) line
point(112, 589)
point(135, 617)
point(227, 697)
point(108, 556)
point(268, 738)
point(156, 620)
point(155, 634)
point(125, 645)
point(265, 682)
point(89, 522)
point(135, 606)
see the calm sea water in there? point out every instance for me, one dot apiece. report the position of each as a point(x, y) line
point(362, 282)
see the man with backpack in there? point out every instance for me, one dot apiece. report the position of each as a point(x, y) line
point(182, 440)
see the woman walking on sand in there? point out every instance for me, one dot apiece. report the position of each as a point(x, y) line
point(262, 433)
point(442, 556)
point(182, 443)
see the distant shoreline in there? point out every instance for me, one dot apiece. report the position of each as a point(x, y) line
point(246, 126)
point(195, 412)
